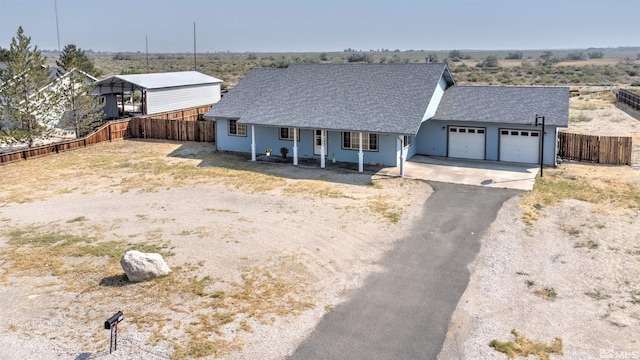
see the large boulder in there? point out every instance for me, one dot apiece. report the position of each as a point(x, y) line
point(141, 266)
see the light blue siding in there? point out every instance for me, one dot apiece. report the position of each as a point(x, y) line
point(433, 136)
point(270, 137)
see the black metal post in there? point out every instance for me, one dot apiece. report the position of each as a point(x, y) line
point(542, 143)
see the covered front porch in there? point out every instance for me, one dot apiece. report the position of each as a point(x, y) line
point(326, 146)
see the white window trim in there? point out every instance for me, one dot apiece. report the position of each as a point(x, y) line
point(238, 132)
point(354, 139)
point(290, 134)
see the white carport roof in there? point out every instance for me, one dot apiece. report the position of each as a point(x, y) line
point(122, 83)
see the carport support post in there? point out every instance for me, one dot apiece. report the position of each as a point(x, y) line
point(253, 143)
point(360, 155)
point(541, 145)
point(295, 146)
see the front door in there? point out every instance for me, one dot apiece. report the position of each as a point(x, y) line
point(317, 143)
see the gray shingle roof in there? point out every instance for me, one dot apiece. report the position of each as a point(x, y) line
point(505, 104)
point(385, 98)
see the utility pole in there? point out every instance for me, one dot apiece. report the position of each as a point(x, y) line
point(195, 64)
point(146, 40)
point(55, 3)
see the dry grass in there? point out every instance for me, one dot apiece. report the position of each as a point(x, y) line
point(383, 206)
point(315, 188)
point(524, 347)
point(546, 293)
point(611, 189)
point(132, 165)
point(262, 294)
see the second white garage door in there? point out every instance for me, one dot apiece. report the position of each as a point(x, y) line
point(466, 142)
point(520, 146)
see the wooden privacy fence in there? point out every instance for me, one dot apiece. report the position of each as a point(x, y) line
point(157, 126)
point(153, 128)
point(113, 130)
point(598, 149)
point(629, 98)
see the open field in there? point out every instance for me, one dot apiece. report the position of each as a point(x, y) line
point(617, 67)
point(259, 252)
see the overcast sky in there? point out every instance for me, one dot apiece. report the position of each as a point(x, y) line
point(327, 25)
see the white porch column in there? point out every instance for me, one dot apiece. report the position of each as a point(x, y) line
point(295, 146)
point(253, 143)
point(322, 149)
point(401, 139)
point(360, 156)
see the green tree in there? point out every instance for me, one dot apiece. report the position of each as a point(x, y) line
point(83, 112)
point(596, 55)
point(547, 59)
point(514, 56)
point(4, 55)
point(28, 110)
point(489, 62)
point(73, 57)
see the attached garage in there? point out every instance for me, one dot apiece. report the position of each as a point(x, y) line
point(466, 142)
point(522, 146)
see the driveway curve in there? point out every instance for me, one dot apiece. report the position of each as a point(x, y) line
point(404, 311)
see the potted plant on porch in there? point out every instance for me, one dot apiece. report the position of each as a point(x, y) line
point(267, 151)
point(284, 151)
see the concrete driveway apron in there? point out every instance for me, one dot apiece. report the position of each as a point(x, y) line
point(404, 311)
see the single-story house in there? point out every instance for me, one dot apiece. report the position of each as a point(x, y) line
point(386, 113)
point(161, 92)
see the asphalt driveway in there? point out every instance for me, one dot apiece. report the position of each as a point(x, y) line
point(404, 311)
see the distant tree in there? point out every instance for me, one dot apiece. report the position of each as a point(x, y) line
point(547, 59)
point(514, 56)
point(324, 57)
point(596, 55)
point(28, 109)
point(576, 56)
point(83, 111)
point(456, 55)
point(432, 58)
point(489, 62)
point(73, 57)
point(359, 57)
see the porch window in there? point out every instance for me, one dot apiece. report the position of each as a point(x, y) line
point(287, 134)
point(408, 140)
point(351, 140)
point(236, 129)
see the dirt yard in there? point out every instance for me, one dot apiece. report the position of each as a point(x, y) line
point(259, 252)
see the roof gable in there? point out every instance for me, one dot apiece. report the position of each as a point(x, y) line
point(386, 98)
point(505, 104)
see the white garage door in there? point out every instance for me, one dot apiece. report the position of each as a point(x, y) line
point(466, 142)
point(521, 146)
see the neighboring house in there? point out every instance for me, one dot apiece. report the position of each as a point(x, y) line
point(386, 113)
point(57, 80)
point(161, 92)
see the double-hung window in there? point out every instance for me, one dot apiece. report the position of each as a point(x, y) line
point(351, 140)
point(287, 134)
point(236, 129)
